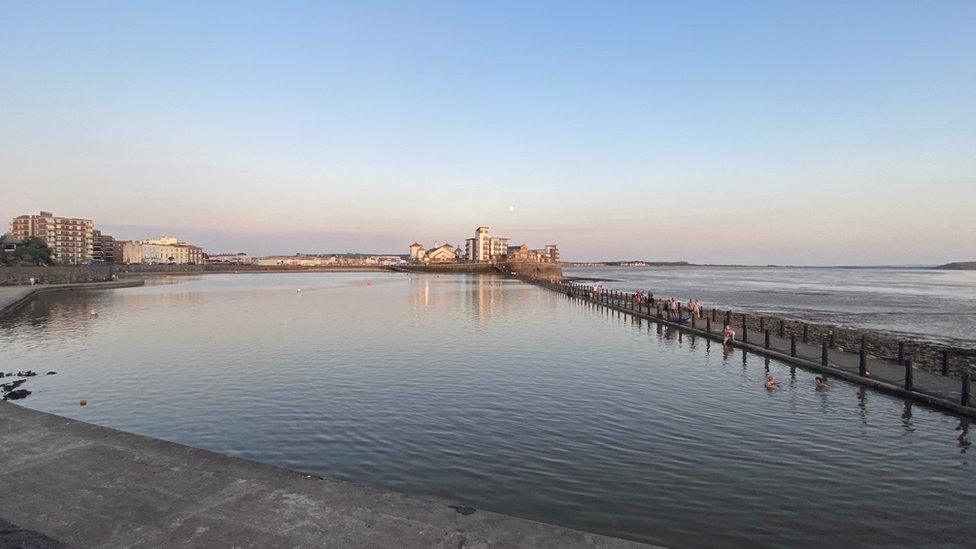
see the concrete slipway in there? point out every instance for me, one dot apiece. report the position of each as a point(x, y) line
point(68, 482)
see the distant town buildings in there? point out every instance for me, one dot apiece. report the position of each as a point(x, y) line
point(312, 260)
point(297, 260)
point(440, 253)
point(483, 247)
point(161, 251)
point(103, 247)
point(240, 258)
point(75, 241)
point(71, 239)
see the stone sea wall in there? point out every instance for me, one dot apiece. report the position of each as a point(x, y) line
point(543, 271)
point(529, 269)
point(932, 357)
point(448, 268)
point(230, 268)
point(927, 356)
point(55, 274)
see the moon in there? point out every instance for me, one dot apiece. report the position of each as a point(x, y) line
point(511, 208)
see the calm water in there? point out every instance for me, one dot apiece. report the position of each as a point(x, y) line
point(506, 397)
point(924, 304)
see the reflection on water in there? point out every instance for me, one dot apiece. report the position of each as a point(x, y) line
point(502, 396)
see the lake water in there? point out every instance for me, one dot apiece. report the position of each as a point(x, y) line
point(491, 393)
point(939, 306)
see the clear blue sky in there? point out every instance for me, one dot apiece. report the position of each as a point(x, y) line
point(774, 132)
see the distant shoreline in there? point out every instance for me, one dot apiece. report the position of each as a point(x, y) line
point(958, 266)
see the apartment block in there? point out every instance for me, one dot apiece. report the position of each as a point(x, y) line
point(71, 239)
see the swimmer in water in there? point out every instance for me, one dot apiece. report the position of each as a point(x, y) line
point(820, 383)
point(728, 335)
point(770, 383)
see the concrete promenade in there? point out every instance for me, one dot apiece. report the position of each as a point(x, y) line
point(941, 392)
point(13, 297)
point(89, 486)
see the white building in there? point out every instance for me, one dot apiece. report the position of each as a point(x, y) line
point(442, 254)
point(417, 252)
point(165, 250)
point(240, 258)
point(484, 247)
point(297, 260)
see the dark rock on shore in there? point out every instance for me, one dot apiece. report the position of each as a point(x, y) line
point(27, 373)
point(6, 387)
point(51, 373)
point(16, 395)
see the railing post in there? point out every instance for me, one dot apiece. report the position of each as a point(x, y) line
point(728, 317)
point(832, 346)
point(766, 343)
point(862, 361)
point(909, 382)
point(806, 330)
point(708, 322)
point(901, 353)
point(823, 351)
point(792, 345)
point(745, 329)
point(782, 328)
point(967, 381)
point(945, 362)
point(762, 323)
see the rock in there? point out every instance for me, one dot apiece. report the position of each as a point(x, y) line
point(462, 509)
point(27, 373)
point(17, 395)
point(6, 387)
point(51, 373)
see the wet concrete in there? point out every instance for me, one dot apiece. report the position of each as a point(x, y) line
point(14, 297)
point(91, 486)
point(13, 536)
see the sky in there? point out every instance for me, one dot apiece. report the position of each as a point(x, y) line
point(806, 133)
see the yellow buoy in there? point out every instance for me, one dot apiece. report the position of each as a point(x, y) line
point(82, 402)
